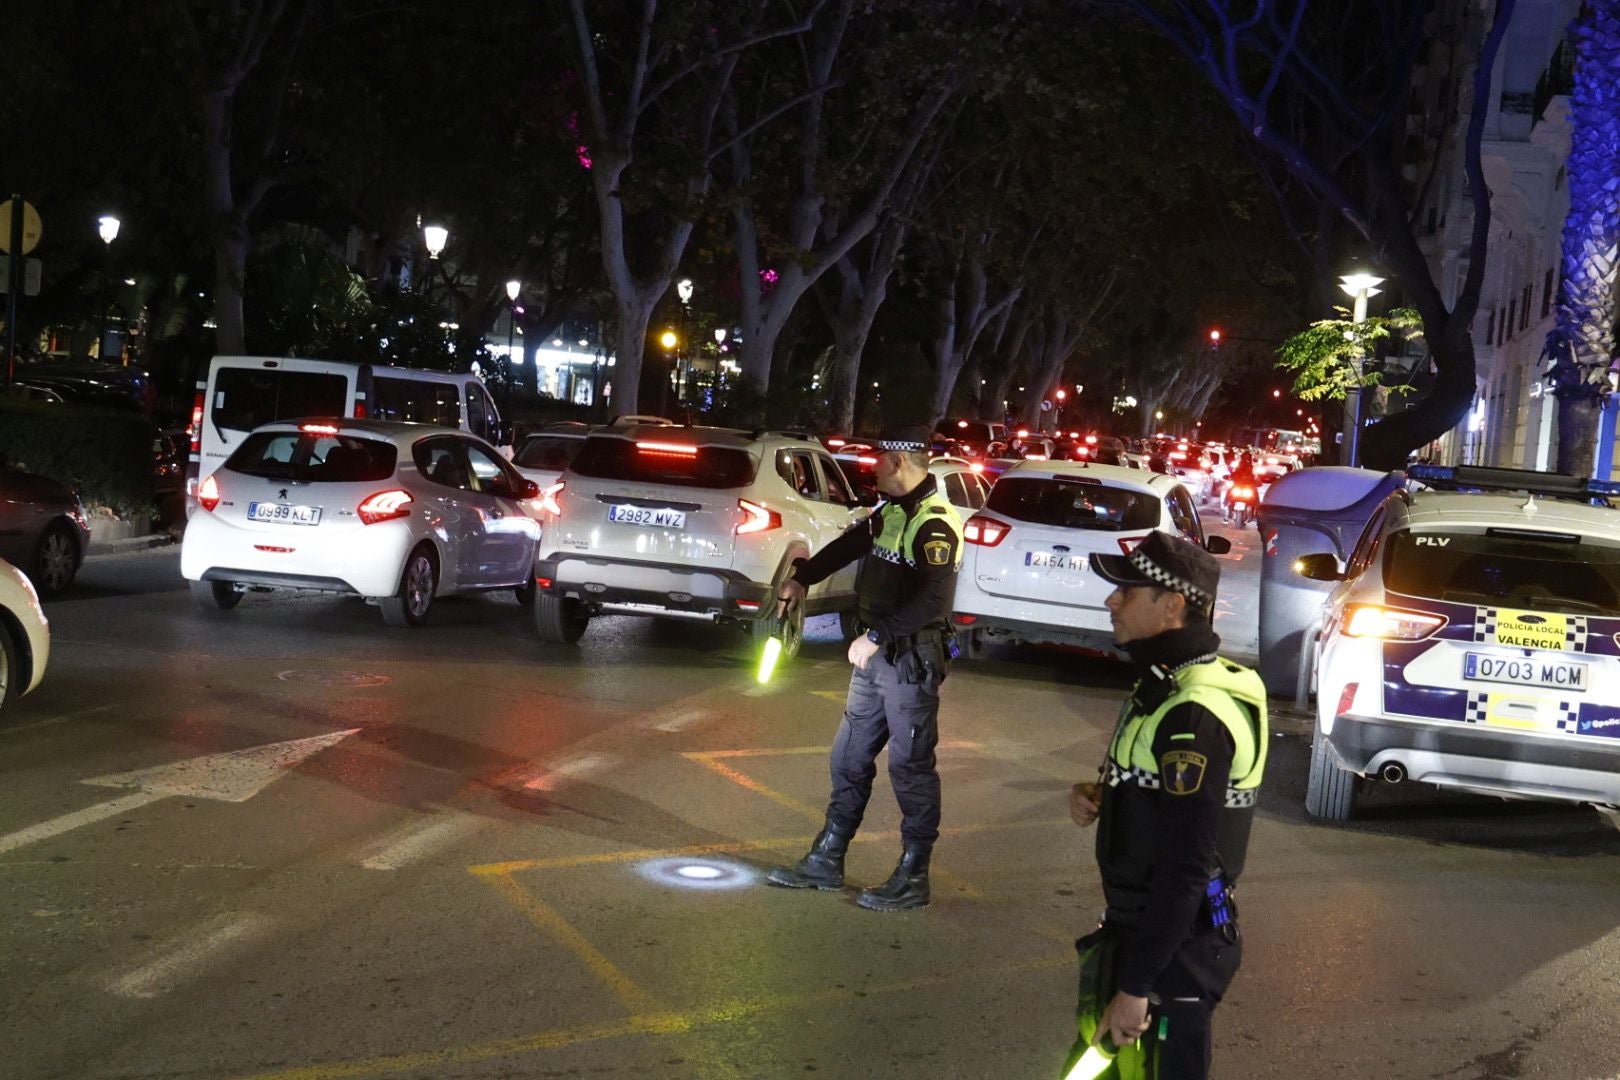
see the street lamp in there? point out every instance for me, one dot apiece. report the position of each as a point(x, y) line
point(668, 340)
point(1359, 285)
point(107, 226)
point(513, 287)
point(683, 366)
point(435, 237)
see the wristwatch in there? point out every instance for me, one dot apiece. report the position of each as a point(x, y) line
point(872, 636)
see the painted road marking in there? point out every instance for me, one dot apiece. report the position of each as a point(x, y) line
point(51, 721)
point(188, 957)
point(235, 776)
point(682, 720)
point(570, 769)
point(420, 839)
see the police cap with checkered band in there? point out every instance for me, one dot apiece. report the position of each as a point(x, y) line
point(907, 438)
point(1165, 562)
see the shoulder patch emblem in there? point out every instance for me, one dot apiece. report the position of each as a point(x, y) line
point(937, 552)
point(1182, 772)
point(938, 510)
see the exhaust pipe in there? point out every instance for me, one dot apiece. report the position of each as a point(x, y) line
point(1392, 773)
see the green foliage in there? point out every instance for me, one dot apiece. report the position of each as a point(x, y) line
point(1323, 358)
point(105, 453)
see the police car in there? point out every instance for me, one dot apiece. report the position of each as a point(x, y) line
point(1473, 643)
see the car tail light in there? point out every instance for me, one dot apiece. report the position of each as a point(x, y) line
point(961, 619)
point(985, 531)
point(961, 423)
point(319, 429)
point(359, 409)
point(1389, 624)
point(1127, 544)
point(976, 466)
point(543, 582)
point(385, 506)
point(548, 497)
point(196, 423)
point(208, 493)
point(668, 448)
point(1346, 698)
point(759, 518)
point(863, 460)
point(836, 442)
point(1243, 494)
point(1092, 439)
point(748, 605)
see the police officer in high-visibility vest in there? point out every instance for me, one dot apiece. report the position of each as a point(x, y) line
point(913, 544)
point(1173, 806)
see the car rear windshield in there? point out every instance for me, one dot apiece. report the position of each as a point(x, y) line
point(665, 461)
point(1080, 503)
point(1556, 572)
point(548, 451)
point(244, 398)
point(309, 458)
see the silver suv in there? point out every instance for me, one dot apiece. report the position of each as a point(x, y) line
point(690, 522)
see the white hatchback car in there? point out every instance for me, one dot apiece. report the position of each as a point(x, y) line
point(1473, 642)
point(25, 636)
point(691, 522)
point(1026, 572)
point(397, 513)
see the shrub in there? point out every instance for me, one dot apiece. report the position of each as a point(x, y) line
point(105, 453)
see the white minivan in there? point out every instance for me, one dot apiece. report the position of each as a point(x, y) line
point(243, 392)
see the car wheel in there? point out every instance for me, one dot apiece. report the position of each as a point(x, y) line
point(560, 620)
point(417, 585)
point(525, 593)
point(792, 630)
point(10, 670)
point(849, 624)
point(215, 594)
point(56, 560)
point(1330, 791)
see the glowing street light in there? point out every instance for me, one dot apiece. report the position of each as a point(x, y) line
point(683, 289)
point(719, 335)
point(107, 226)
point(435, 237)
point(513, 287)
point(668, 339)
point(1361, 286)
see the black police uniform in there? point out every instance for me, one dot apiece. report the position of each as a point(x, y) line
point(904, 600)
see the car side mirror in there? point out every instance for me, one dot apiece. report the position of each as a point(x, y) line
point(1322, 566)
point(1217, 545)
point(528, 489)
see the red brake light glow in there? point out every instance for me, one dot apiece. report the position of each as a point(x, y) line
point(836, 442)
point(977, 466)
point(984, 531)
point(961, 423)
point(760, 518)
point(319, 429)
point(1347, 698)
point(671, 448)
point(548, 497)
point(359, 410)
point(961, 619)
point(1127, 544)
point(866, 460)
point(1390, 624)
point(1092, 439)
point(385, 506)
point(208, 493)
point(196, 423)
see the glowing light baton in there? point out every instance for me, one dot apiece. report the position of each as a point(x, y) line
point(1094, 1062)
point(772, 652)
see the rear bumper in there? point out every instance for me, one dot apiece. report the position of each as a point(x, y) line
point(630, 587)
point(1031, 622)
point(1018, 631)
point(368, 563)
point(1474, 757)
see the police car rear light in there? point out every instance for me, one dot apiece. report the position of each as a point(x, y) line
point(758, 518)
point(963, 620)
point(543, 582)
point(1390, 624)
point(1346, 698)
point(984, 531)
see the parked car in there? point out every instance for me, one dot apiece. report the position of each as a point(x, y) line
point(397, 513)
point(962, 482)
point(691, 522)
point(1470, 643)
point(25, 636)
point(91, 382)
point(976, 438)
point(1026, 573)
point(43, 529)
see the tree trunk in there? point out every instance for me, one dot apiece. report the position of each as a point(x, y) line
point(229, 233)
point(634, 313)
point(1386, 444)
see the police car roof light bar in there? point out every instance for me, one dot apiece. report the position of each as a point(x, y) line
point(1481, 478)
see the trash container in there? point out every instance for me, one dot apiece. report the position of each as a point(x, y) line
point(1306, 512)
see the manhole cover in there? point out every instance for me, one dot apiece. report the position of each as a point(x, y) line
point(332, 678)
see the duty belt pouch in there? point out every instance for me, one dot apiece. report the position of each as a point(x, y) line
point(1099, 970)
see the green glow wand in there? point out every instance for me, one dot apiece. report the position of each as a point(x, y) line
point(772, 652)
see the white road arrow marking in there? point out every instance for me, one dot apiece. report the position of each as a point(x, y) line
point(235, 776)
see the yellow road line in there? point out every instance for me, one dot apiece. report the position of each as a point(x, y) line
point(661, 1023)
point(802, 809)
point(546, 917)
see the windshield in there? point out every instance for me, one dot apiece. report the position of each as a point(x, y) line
point(548, 451)
point(1079, 503)
point(244, 398)
point(651, 461)
point(1555, 572)
point(307, 458)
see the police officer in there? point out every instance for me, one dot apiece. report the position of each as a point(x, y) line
point(1173, 806)
point(900, 653)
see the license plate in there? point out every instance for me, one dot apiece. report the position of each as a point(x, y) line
point(283, 513)
point(1053, 560)
point(661, 518)
point(1526, 671)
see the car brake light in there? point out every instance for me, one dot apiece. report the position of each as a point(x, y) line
point(385, 506)
point(548, 497)
point(961, 423)
point(1390, 624)
point(976, 466)
point(1243, 493)
point(1346, 698)
point(748, 605)
point(543, 582)
point(1092, 439)
point(319, 429)
point(760, 518)
point(866, 460)
point(1127, 544)
point(961, 619)
point(984, 531)
point(196, 423)
point(1023, 433)
point(675, 449)
point(359, 410)
point(836, 442)
point(208, 493)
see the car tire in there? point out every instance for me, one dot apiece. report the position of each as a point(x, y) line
point(792, 632)
point(1330, 791)
point(11, 674)
point(56, 560)
point(221, 595)
point(525, 593)
point(560, 620)
point(418, 583)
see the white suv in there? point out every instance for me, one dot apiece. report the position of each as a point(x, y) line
point(1026, 571)
point(690, 522)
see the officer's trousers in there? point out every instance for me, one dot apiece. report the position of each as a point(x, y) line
point(1188, 992)
point(895, 703)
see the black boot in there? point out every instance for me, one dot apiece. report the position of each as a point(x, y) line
point(906, 888)
point(821, 868)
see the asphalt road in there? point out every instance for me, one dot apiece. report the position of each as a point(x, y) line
point(285, 841)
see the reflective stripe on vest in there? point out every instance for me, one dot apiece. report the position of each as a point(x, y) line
point(1235, 695)
point(894, 541)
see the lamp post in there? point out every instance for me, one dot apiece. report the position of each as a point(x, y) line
point(1360, 286)
point(683, 371)
point(514, 287)
point(107, 226)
